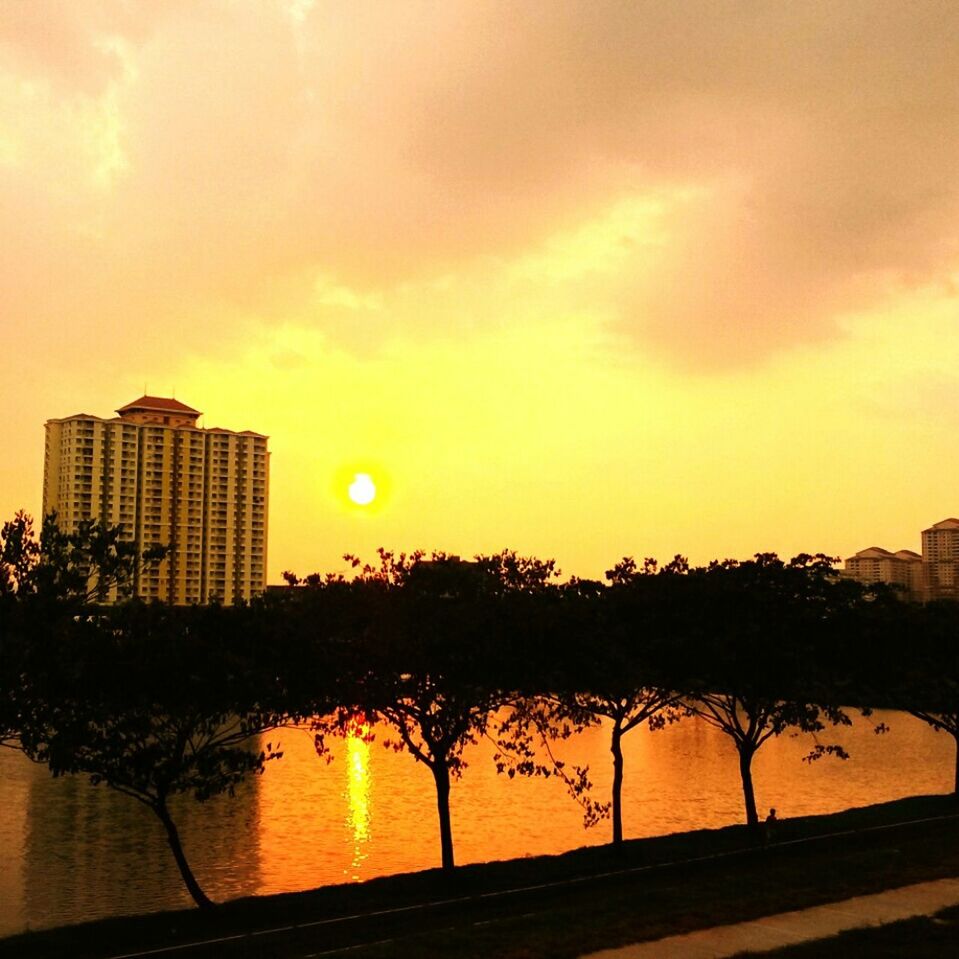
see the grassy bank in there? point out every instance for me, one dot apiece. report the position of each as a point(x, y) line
point(583, 900)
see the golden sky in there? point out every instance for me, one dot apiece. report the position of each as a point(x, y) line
point(578, 278)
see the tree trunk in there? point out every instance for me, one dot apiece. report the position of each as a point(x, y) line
point(441, 776)
point(173, 838)
point(616, 748)
point(745, 771)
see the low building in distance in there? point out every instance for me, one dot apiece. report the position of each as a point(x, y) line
point(203, 493)
point(902, 569)
point(932, 575)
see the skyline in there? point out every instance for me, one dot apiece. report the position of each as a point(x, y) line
point(583, 280)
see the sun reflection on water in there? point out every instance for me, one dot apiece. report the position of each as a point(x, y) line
point(358, 796)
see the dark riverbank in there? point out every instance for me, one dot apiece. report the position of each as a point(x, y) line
point(557, 905)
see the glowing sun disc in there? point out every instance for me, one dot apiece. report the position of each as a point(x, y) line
point(362, 490)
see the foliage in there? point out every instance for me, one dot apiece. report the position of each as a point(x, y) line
point(609, 663)
point(424, 653)
point(926, 681)
point(45, 581)
point(765, 626)
point(431, 655)
point(155, 702)
point(78, 566)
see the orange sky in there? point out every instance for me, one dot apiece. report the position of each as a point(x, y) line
point(579, 278)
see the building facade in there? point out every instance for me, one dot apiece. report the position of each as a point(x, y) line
point(202, 493)
point(902, 569)
point(933, 575)
point(940, 558)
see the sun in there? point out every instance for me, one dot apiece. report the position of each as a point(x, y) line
point(362, 490)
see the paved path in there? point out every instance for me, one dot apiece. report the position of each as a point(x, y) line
point(788, 928)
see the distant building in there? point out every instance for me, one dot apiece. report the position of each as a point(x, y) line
point(940, 557)
point(903, 569)
point(204, 493)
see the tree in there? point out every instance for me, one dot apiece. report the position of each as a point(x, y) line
point(428, 664)
point(18, 550)
point(318, 630)
point(607, 662)
point(763, 629)
point(45, 581)
point(75, 567)
point(154, 702)
point(925, 672)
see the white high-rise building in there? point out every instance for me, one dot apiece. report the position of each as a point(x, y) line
point(203, 493)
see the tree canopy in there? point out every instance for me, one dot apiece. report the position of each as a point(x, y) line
point(429, 653)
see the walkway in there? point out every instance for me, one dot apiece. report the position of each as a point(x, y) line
point(788, 928)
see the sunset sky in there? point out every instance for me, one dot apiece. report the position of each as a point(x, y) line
point(578, 278)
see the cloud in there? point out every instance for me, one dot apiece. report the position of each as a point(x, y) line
point(178, 163)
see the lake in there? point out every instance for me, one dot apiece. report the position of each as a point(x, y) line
point(73, 852)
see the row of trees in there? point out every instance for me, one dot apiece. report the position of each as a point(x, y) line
point(154, 701)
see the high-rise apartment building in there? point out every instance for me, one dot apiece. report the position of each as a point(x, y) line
point(203, 493)
point(940, 558)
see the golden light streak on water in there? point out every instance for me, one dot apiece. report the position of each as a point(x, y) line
point(358, 798)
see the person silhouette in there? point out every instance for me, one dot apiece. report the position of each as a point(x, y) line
point(770, 827)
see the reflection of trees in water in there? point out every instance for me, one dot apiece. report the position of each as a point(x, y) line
point(15, 776)
point(91, 852)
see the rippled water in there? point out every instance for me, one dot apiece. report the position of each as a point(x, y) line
point(73, 852)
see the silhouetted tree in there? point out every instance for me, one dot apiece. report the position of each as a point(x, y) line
point(608, 662)
point(46, 581)
point(764, 626)
point(428, 668)
point(156, 702)
point(76, 566)
point(318, 629)
point(922, 669)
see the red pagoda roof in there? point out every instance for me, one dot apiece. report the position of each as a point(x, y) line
point(160, 404)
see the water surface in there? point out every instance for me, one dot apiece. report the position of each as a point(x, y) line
point(72, 851)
